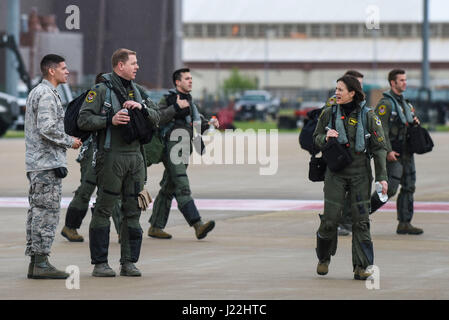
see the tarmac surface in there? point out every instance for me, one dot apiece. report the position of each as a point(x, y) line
point(259, 250)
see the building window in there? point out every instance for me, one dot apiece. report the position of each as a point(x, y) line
point(393, 30)
point(211, 30)
point(223, 30)
point(197, 31)
point(354, 31)
point(288, 31)
point(315, 31)
point(435, 30)
point(326, 30)
point(250, 30)
point(236, 30)
point(340, 30)
point(406, 30)
point(311, 30)
point(445, 30)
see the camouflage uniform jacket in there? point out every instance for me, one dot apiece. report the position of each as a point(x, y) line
point(45, 139)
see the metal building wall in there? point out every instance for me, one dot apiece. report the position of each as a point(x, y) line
point(134, 24)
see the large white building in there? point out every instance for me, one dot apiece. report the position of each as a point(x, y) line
point(291, 44)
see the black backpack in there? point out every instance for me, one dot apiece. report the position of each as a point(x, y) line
point(71, 118)
point(306, 135)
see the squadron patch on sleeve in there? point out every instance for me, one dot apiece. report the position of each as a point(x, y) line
point(382, 110)
point(331, 101)
point(378, 122)
point(91, 96)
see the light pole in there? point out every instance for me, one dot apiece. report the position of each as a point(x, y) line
point(13, 22)
point(269, 33)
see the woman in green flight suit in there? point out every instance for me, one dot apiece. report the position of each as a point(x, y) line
point(363, 139)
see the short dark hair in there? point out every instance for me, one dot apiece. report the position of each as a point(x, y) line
point(177, 74)
point(50, 61)
point(354, 73)
point(99, 78)
point(121, 55)
point(353, 85)
point(393, 73)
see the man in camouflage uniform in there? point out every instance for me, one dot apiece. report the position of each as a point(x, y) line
point(46, 144)
point(175, 183)
point(397, 115)
point(120, 166)
point(79, 205)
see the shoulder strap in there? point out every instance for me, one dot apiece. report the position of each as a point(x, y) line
point(331, 123)
point(366, 134)
point(107, 107)
point(365, 111)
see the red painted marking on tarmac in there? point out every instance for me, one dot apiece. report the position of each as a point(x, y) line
point(252, 205)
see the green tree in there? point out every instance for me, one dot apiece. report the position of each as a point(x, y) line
point(237, 83)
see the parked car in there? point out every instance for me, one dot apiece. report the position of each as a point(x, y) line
point(9, 111)
point(64, 92)
point(256, 105)
point(157, 94)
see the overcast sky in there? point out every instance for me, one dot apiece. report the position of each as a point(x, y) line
point(303, 11)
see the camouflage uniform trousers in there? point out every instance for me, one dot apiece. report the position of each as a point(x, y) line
point(43, 215)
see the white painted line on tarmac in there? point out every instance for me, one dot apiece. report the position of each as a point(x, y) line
point(251, 205)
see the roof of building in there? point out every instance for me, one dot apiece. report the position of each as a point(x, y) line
point(307, 11)
point(312, 50)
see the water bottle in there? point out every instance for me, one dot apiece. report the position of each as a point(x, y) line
point(124, 110)
point(211, 129)
point(196, 128)
point(382, 197)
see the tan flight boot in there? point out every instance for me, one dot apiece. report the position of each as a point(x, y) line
point(201, 229)
point(361, 273)
point(71, 235)
point(407, 228)
point(158, 233)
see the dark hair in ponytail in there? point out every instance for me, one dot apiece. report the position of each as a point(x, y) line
point(353, 85)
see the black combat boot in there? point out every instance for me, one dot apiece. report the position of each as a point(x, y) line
point(128, 269)
point(103, 270)
point(31, 267)
point(44, 270)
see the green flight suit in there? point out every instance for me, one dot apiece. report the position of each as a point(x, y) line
point(79, 205)
point(354, 180)
point(175, 182)
point(346, 216)
point(120, 170)
point(401, 172)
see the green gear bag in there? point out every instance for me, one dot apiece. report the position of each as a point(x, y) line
point(154, 149)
